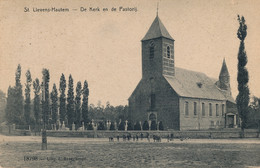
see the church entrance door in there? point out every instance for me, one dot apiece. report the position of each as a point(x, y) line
point(152, 117)
point(230, 121)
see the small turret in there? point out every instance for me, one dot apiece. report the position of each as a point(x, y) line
point(224, 78)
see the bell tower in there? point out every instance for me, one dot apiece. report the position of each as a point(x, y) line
point(157, 51)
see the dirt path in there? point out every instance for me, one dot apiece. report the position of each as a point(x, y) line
point(25, 151)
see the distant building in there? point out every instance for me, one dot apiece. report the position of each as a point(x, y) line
point(181, 99)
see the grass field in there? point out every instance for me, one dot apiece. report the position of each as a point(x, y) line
point(25, 151)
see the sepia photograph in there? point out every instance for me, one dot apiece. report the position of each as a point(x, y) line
point(129, 83)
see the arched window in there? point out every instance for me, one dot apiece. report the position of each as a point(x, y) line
point(217, 110)
point(223, 110)
point(151, 50)
point(168, 52)
point(203, 110)
point(210, 109)
point(195, 108)
point(186, 108)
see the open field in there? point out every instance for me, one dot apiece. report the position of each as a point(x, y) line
point(88, 152)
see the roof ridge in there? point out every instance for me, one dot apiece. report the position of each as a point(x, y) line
point(160, 24)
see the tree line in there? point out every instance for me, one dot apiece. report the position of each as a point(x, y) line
point(47, 107)
point(59, 105)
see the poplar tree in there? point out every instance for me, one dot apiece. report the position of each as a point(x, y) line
point(36, 100)
point(10, 108)
point(242, 99)
point(62, 98)
point(70, 102)
point(45, 94)
point(27, 105)
point(54, 104)
point(18, 98)
point(14, 106)
point(84, 108)
point(78, 104)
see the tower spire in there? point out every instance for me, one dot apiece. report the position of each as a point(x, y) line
point(224, 78)
point(224, 69)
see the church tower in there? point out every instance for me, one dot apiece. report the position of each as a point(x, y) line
point(157, 52)
point(224, 78)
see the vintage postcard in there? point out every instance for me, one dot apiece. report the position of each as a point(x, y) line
point(133, 83)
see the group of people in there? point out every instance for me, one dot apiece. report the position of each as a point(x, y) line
point(156, 138)
point(136, 137)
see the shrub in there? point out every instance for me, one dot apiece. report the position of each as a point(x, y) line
point(112, 126)
point(101, 126)
point(121, 126)
point(137, 126)
point(145, 125)
point(161, 126)
point(129, 126)
point(90, 126)
point(153, 125)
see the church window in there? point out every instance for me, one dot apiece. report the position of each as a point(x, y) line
point(217, 110)
point(152, 101)
point(195, 108)
point(203, 109)
point(168, 52)
point(151, 50)
point(210, 109)
point(186, 108)
point(223, 109)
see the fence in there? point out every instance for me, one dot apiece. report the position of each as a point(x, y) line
point(163, 134)
point(20, 129)
point(36, 130)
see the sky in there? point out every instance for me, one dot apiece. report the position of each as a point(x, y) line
point(104, 47)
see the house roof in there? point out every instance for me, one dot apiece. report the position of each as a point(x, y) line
point(192, 84)
point(156, 30)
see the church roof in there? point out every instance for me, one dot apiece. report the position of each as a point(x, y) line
point(224, 69)
point(156, 30)
point(192, 84)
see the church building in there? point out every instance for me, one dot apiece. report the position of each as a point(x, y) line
point(181, 99)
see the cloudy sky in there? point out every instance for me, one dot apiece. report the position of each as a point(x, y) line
point(104, 48)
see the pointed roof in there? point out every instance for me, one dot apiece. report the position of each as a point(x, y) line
point(156, 30)
point(224, 69)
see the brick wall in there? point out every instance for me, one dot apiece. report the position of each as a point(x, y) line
point(195, 122)
point(166, 103)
